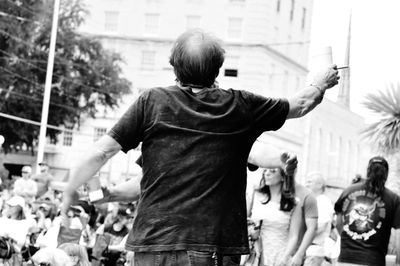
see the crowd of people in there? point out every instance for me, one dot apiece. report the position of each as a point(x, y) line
point(197, 143)
point(32, 231)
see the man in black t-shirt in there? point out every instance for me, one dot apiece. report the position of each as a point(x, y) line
point(366, 213)
point(196, 139)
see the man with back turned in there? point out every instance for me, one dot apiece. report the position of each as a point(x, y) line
point(196, 140)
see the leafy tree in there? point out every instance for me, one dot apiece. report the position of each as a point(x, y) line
point(385, 137)
point(86, 76)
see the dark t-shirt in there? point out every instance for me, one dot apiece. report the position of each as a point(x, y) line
point(367, 223)
point(195, 148)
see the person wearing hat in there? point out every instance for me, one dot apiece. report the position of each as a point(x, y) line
point(15, 225)
point(43, 179)
point(25, 186)
point(366, 213)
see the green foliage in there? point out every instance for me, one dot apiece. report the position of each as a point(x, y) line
point(86, 76)
point(385, 134)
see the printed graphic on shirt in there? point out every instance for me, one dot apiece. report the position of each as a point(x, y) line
point(363, 214)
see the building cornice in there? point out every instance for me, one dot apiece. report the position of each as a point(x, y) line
point(169, 41)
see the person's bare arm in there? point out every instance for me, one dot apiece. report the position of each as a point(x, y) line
point(311, 224)
point(308, 98)
point(265, 156)
point(87, 167)
point(127, 191)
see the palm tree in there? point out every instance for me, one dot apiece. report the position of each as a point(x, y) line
point(384, 135)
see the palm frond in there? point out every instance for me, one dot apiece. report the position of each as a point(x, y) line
point(381, 103)
point(384, 134)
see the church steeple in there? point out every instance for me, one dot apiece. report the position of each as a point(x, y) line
point(344, 89)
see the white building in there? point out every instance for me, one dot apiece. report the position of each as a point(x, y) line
point(267, 45)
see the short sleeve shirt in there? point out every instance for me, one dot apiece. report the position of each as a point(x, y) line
point(367, 223)
point(194, 153)
point(306, 208)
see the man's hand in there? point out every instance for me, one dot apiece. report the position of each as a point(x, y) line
point(326, 78)
point(289, 162)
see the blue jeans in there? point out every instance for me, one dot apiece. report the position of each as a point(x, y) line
point(184, 258)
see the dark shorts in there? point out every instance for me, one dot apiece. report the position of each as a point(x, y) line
point(184, 258)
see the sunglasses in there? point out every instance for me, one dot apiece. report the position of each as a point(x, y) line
point(271, 170)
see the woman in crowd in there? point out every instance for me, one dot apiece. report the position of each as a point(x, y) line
point(77, 254)
point(286, 214)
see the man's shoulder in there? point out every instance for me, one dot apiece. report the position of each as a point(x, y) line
point(391, 194)
point(302, 191)
point(42, 176)
point(354, 187)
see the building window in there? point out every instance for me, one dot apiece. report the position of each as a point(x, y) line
point(193, 22)
point(292, 11)
point(235, 28)
point(148, 60)
point(229, 72)
point(68, 135)
point(151, 23)
point(111, 20)
point(231, 66)
point(303, 19)
point(278, 6)
point(98, 133)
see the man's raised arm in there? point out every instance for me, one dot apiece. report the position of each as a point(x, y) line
point(308, 98)
point(265, 156)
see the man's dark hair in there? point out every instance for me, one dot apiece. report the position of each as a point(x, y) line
point(377, 173)
point(197, 57)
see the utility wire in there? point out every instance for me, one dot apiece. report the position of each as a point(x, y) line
point(32, 122)
point(69, 107)
point(17, 17)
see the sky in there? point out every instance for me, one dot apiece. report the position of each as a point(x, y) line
point(375, 44)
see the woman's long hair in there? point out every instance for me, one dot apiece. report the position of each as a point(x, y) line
point(288, 201)
point(377, 173)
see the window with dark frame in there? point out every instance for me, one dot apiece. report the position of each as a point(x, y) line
point(68, 136)
point(303, 19)
point(230, 72)
point(292, 11)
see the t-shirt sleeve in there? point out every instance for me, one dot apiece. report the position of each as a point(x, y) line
point(128, 131)
point(396, 219)
point(310, 207)
point(339, 203)
point(267, 113)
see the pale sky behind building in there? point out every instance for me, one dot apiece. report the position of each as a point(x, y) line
point(375, 43)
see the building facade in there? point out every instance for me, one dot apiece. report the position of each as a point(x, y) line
point(266, 44)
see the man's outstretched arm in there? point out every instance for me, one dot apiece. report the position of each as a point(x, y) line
point(265, 156)
point(308, 98)
point(87, 167)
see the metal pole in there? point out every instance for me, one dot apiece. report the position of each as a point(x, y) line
point(47, 88)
